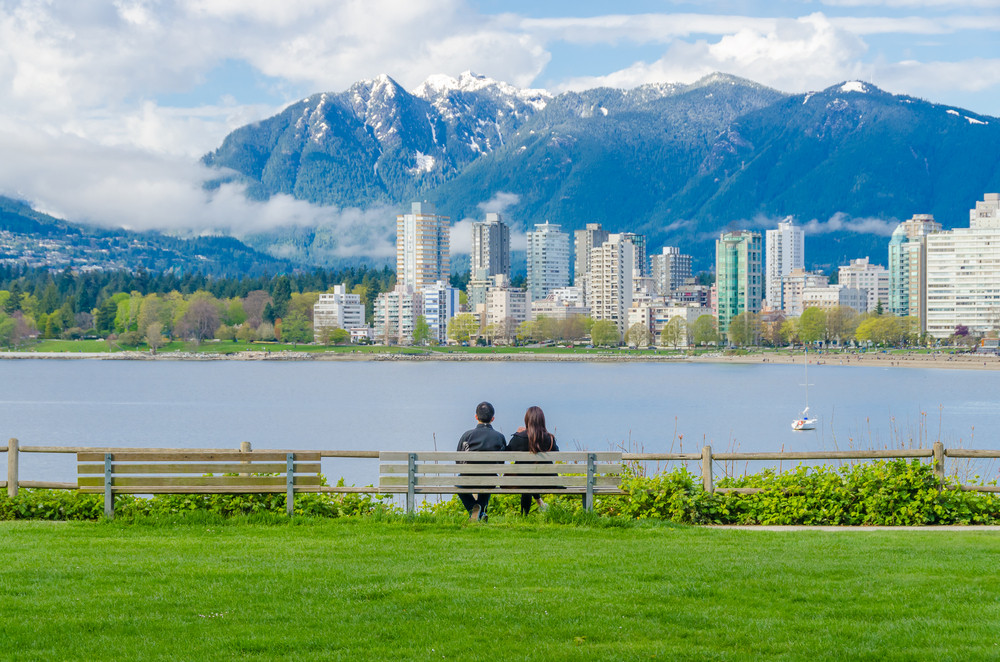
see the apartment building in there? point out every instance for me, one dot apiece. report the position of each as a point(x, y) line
point(963, 273)
point(548, 260)
point(863, 275)
point(396, 314)
point(784, 252)
point(490, 256)
point(610, 289)
point(338, 309)
point(422, 247)
point(908, 267)
point(739, 275)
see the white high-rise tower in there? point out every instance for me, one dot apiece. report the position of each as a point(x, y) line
point(784, 250)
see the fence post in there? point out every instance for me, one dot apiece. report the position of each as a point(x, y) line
point(706, 469)
point(410, 479)
point(588, 499)
point(939, 462)
point(290, 483)
point(109, 496)
point(245, 448)
point(12, 457)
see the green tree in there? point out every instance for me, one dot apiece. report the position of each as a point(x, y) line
point(246, 333)
point(235, 315)
point(812, 325)
point(744, 330)
point(461, 327)
point(705, 330)
point(790, 331)
point(281, 294)
point(421, 331)
point(154, 336)
point(604, 333)
point(674, 332)
point(841, 321)
point(295, 328)
point(13, 302)
point(340, 336)
point(638, 335)
point(8, 328)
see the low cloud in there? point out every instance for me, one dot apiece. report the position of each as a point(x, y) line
point(116, 186)
point(461, 232)
point(499, 202)
point(841, 222)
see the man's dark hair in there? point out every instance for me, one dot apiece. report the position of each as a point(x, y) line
point(484, 412)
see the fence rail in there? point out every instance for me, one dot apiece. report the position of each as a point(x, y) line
point(706, 457)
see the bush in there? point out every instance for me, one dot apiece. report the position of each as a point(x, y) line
point(882, 493)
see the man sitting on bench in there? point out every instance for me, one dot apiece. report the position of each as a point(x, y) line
point(481, 438)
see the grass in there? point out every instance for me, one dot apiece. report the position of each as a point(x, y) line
point(439, 588)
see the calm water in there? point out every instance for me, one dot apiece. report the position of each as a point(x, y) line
point(423, 406)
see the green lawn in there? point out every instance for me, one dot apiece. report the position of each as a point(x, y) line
point(365, 589)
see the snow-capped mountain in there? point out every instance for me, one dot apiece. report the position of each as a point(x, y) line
point(676, 162)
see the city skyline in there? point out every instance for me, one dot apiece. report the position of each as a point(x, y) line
point(95, 143)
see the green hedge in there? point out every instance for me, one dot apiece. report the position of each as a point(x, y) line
point(874, 493)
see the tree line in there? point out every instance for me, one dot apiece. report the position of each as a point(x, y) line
point(144, 307)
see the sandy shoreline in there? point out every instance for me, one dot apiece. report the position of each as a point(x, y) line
point(869, 360)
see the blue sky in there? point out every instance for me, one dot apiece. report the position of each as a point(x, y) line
point(106, 105)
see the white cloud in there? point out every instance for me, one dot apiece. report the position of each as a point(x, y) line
point(841, 222)
point(124, 187)
point(461, 233)
point(915, 4)
point(499, 202)
point(795, 54)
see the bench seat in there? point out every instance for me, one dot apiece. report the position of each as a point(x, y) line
point(439, 472)
point(216, 472)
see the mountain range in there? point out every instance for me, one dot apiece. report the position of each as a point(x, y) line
point(679, 163)
point(31, 238)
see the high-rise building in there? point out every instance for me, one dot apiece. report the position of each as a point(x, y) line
point(338, 309)
point(738, 275)
point(641, 266)
point(490, 256)
point(963, 273)
point(422, 247)
point(610, 289)
point(396, 314)
point(908, 267)
point(583, 241)
point(785, 251)
point(669, 270)
point(548, 260)
point(440, 305)
point(872, 277)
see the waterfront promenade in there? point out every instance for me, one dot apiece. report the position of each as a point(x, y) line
point(942, 360)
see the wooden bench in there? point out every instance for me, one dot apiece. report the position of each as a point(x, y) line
point(233, 472)
point(438, 472)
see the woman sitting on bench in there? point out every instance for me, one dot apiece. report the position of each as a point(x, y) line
point(534, 438)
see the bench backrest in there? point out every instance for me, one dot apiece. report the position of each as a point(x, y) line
point(232, 472)
point(438, 472)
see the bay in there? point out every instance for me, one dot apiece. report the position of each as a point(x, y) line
point(356, 405)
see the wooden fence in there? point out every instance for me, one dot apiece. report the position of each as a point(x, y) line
point(936, 454)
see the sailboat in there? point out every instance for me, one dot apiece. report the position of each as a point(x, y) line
point(803, 422)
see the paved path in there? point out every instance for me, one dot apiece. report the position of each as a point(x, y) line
point(952, 528)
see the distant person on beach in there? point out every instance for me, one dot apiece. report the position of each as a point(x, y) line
point(480, 438)
point(533, 438)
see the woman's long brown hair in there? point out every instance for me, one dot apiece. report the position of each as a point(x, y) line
point(538, 436)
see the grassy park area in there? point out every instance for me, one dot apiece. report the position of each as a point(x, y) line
point(438, 588)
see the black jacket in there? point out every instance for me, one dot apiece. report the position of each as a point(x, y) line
point(519, 442)
point(482, 438)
